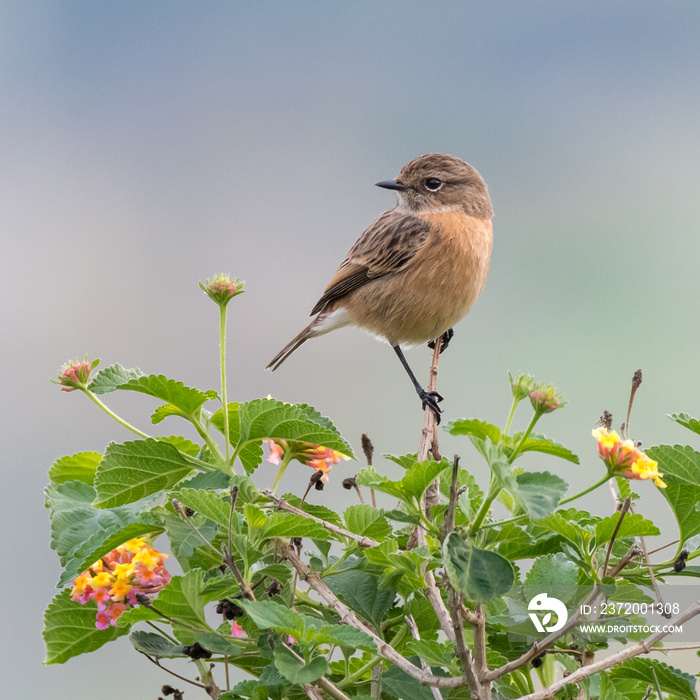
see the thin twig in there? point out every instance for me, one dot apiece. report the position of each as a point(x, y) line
point(234, 497)
point(416, 635)
point(348, 617)
point(229, 561)
point(172, 673)
point(658, 549)
point(623, 511)
point(643, 647)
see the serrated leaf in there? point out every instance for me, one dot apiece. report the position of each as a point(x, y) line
point(100, 543)
point(183, 539)
point(539, 493)
point(267, 614)
point(360, 591)
point(411, 487)
point(255, 517)
point(251, 453)
point(184, 399)
point(213, 506)
point(155, 645)
point(686, 421)
point(112, 378)
point(479, 574)
point(345, 636)
point(671, 680)
point(550, 571)
point(69, 629)
point(77, 467)
point(73, 519)
point(477, 428)
point(680, 466)
point(295, 670)
point(433, 653)
point(539, 443)
point(293, 525)
point(364, 519)
point(267, 418)
point(633, 525)
point(132, 470)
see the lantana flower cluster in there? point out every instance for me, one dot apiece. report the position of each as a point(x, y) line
point(114, 580)
point(314, 456)
point(221, 288)
point(624, 458)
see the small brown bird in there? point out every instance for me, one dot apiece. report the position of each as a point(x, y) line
point(418, 268)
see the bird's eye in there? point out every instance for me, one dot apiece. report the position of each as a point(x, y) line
point(433, 184)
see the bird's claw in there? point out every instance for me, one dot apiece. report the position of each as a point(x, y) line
point(445, 337)
point(431, 399)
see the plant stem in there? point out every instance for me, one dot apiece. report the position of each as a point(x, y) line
point(525, 436)
point(494, 490)
point(113, 415)
point(211, 445)
point(222, 342)
point(514, 405)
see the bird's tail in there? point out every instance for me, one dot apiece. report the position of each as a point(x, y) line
point(293, 344)
point(325, 322)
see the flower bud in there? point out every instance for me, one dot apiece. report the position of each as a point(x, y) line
point(76, 374)
point(221, 288)
point(545, 399)
point(521, 386)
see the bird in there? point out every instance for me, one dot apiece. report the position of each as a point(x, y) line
point(417, 269)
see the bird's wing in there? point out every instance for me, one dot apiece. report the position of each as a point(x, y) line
point(388, 245)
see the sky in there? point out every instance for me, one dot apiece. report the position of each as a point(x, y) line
point(147, 146)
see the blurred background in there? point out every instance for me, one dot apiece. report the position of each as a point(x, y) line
point(146, 146)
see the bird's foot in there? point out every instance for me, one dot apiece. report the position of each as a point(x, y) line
point(431, 399)
point(445, 337)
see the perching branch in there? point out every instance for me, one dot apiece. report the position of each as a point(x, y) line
point(348, 617)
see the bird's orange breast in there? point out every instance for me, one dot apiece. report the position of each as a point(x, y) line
point(436, 290)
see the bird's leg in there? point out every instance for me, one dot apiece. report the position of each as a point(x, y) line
point(446, 337)
point(429, 399)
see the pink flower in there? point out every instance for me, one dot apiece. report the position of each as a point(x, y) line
point(237, 630)
point(75, 375)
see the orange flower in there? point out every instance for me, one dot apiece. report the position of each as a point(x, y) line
point(624, 458)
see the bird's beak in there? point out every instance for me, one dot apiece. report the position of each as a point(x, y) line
point(391, 185)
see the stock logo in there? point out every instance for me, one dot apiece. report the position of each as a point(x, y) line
point(542, 603)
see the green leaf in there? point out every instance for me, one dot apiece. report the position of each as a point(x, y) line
point(251, 453)
point(219, 644)
point(552, 571)
point(293, 525)
point(212, 505)
point(413, 485)
point(255, 517)
point(360, 591)
point(400, 685)
point(680, 466)
point(69, 629)
point(479, 574)
point(671, 680)
point(73, 519)
point(633, 525)
point(77, 467)
point(477, 428)
point(539, 443)
point(345, 636)
point(267, 614)
point(294, 669)
point(133, 470)
point(364, 519)
point(112, 378)
point(539, 493)
point(686, 421)
point(433, 653)
point(184, 399)
point(100, 543)
point(563, 523)
point(184, 541)
point(266, 418)
point(155, 645)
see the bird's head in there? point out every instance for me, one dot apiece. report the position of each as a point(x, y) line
point(436, 183)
